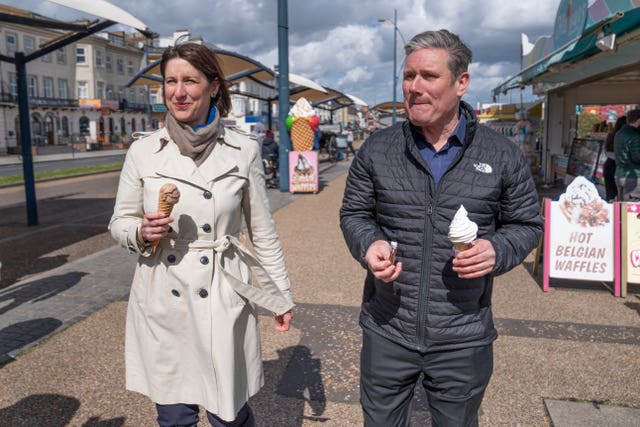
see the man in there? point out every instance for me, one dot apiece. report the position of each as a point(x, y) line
point(626, 144)
point(429, 312)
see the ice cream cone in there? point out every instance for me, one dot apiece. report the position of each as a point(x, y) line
point(460, 246)
point(302, 135)
point(168, 196)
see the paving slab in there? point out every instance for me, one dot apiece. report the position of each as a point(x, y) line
point(566, 413)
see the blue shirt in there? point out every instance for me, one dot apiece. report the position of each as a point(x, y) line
point(210, 119)
point(439, 161)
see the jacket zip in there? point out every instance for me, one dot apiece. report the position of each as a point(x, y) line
point(423, 294)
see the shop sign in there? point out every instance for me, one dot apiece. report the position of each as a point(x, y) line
point(631, 227)
point(303, 172)
point(580, 235)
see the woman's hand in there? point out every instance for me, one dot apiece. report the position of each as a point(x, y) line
point(155, 226)
point(283, 322)
point(377, 257)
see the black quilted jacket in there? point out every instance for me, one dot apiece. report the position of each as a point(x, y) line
point(390, 195)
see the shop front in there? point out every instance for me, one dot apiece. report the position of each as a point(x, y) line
point(590, 60)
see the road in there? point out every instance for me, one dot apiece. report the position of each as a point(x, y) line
point(73, 216)
point(16, 169)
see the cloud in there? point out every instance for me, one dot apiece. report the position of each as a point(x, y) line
point(340, 43)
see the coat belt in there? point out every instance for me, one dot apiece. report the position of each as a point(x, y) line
point(268, 295)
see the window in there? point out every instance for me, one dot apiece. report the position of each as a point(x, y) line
point(61, 56)
point(81, 55)
point(132, 96)
point(110, 92)
point(108, 64)
point(47, 86)
point(29, 44)
point(13, 84)
point(63, 89)
point(100, 90)
point(98, 57)
point(32, 86)
point(120, 65)
point(130, 68)
point(46, 57)
point(12, 44)
point(83, 90)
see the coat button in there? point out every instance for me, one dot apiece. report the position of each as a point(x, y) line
point(175, 292)
point(207, 195)
point(171, 258)
point(203, 293)
point(206, 228)
point(204, 260)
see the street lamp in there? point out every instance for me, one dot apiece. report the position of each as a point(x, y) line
point(396, 31)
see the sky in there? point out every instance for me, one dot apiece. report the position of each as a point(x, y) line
point(341, 44)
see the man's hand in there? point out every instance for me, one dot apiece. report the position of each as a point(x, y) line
point(377, 258)
point(476, 261)
point(283, 322)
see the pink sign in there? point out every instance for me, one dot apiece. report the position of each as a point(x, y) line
point(303, 172)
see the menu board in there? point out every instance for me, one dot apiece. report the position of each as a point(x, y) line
point(583, 158)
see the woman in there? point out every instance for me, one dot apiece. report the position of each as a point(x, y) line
point(192, 335)
point(609, 168)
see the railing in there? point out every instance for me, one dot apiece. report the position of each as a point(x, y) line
point(43, 102)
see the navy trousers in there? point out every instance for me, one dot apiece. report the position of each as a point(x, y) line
point(454, 381)
point(183, 415)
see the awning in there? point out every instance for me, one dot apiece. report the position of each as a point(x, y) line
point(387, 107)
point(235, 67)
point(567, 64)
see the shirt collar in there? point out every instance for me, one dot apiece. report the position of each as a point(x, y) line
point(210, 119)
point(458, 134)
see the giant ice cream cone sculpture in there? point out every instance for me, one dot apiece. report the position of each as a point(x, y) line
point(302, 122)
point(462, 231)
point(168, 196)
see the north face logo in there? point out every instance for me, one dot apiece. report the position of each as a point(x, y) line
point(483, 167)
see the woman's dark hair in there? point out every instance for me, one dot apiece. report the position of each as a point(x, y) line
point(608, 142)
point(205, 61)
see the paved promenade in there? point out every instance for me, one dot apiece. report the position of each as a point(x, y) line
point(568, 357)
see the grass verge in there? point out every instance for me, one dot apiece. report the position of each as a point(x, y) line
point(62, 173)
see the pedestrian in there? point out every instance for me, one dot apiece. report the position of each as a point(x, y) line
point(192, 335)
point(609, 168)
point(626, 144)
point(426, 311)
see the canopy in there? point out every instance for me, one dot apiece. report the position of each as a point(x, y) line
point(235, 67)
point(607, 36)
point(387, 107)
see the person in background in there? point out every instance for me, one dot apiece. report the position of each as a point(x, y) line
point(192, 336)
point(626, 144)
point(269, 146)
point(609, 168)
point(430, 312)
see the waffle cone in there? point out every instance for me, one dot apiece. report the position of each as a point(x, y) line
point(302, 135)
point(460, 246)
point(165, 208)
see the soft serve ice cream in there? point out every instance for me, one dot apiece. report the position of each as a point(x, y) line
point(462, 231)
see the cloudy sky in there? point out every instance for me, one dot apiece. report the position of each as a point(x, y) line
point(340, 43)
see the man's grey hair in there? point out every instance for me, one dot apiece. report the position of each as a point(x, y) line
point(459, 54)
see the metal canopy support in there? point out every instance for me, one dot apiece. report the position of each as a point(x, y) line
point(25, 137)
point(20, 61)
point(283, 93)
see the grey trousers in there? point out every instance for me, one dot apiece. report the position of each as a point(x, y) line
point(454, 381)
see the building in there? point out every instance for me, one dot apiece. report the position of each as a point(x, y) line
point(76, 94)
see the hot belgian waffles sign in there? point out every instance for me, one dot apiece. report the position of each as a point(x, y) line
point(581, 237)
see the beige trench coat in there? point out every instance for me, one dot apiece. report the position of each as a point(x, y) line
point(192, 334)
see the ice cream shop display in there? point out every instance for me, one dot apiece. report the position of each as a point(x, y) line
point(303, 122)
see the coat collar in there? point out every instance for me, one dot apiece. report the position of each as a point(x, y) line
point(172, 164)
